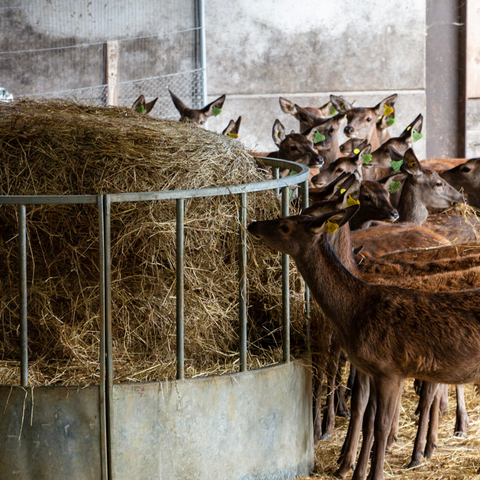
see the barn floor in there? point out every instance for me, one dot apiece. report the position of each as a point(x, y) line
point(455, 458)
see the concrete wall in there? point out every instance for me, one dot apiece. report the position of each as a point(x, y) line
point(258, 51)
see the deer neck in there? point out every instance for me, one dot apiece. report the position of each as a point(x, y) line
point(411, 209)
point(336, 290)
point(383, 135)
point(341, 243)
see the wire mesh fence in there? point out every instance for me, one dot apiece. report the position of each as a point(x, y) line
point(59, 49)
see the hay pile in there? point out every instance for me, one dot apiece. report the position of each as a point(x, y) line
point(56, 147)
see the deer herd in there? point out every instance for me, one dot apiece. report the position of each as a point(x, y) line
point(395, 279)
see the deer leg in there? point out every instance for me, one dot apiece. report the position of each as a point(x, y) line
point(328, 423)
point(432, 435)
point(427, 395)
point(461, 422)
point(341, 407)
point(350, 381)
point(387, 390)
point(360, 396)
point(443, 406)
point(393, 435)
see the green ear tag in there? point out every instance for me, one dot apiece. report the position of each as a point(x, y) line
point(394, 186)
point(216, 111)
point(391, 121)
point(417, 136)
point(318, 137)
point(141, 109)
point(356, 151)
point(333, 110)
point(367, 158)
point(396, 165)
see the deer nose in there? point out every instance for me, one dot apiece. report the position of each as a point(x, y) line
point(348, 129)
point(316, 161)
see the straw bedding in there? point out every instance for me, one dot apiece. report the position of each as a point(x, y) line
point(56, 147)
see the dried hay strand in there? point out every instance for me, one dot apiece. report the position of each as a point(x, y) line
point(453, 459)
point(63, 148)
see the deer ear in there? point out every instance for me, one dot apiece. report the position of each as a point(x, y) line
point(416, 125)
point(209, 109)
point(305, 116)
point(149, 106)
point(385, 107)
point(395, 155)
point(362, 150)
point(411, 164)
point(394, 182)
point(328, 109)
point(278, 132)
point(329, 222)
point(139, 102)
point(229, 128)
point(288, 107)
point(340, 104)
point(179, 105)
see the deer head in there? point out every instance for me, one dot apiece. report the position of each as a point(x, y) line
point(233, 128)
point(290, 108)
point(197, 116)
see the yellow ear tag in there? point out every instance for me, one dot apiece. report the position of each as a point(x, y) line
point(409, 128)
point(342, 106)
point(380, 117)
point(342, 190)
point(388, 110)
point(356, 151)
point(233, 135)
point(351, 201)
point(412, 164)
point(331, 227)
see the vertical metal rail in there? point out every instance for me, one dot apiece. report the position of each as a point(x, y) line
point(276, 176)
point(242, 297)
point(203, 50)
point(180, 290)
point(108, 327)
point(103, 378)
point(22, 257)
point(285, 285)
point(304, 192)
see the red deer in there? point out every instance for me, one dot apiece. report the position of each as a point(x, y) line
point(389, 333)
point(348, 164)
point(362, 121)
point(141, 106)
point(197, 116)
point(289, 107)
point(294, 147)
point(466, 176)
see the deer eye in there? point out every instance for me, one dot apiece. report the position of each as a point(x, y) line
point(339, 170)
point(367, 198)
point(369, 119)
point(465, 169)
point(202, 122)
point(293, 148)
point(332, 130)
point(285, 229)
point(439, 184)
point(342, 148)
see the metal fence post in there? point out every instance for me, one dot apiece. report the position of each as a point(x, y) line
point(242, 298)
point(180, 290)
point(286, 284)
point(305, 199)
point(22, 257)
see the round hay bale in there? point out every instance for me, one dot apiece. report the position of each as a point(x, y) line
point(63, 148)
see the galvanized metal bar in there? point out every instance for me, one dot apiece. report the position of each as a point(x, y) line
point(47, 199)
point(103, 377)
point(276, 176)
point(305, 201)
point(180, 290)
point(203, 50)
point(22, 258)
point(286, 285)
point(242, 297)
point(108, 327)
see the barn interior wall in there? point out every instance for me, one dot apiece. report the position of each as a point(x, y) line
point(365, 51)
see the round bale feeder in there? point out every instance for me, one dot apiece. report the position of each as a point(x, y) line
point(126, 290)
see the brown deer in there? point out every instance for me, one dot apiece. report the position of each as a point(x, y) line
point(140, 105)
point(327, 131)
point(197, 116)
point(289, 107)
point(362, 121)
point(350, 145)
point(348, 164)
point(233, 128)
point(389, 333)
point(294, 147)
point(466, 176)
